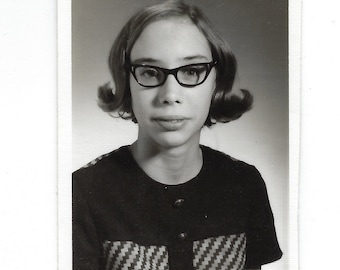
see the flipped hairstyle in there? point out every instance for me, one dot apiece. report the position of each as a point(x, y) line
point(225, 105)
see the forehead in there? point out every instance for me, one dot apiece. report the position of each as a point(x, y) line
point(171, 40)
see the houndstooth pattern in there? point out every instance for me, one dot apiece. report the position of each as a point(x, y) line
point(127, 255)
point(223, 252)
point(93, 162)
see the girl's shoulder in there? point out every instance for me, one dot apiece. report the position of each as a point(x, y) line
point(105, 164)
point(110, 173)
point(228, 167)
point(214, 157)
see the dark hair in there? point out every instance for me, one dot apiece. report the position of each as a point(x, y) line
point(225, 105)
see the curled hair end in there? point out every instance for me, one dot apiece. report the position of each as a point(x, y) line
point(106, 98)
point(109, 103)
point(231, 107)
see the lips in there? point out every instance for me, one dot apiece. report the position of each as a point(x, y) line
point(171, 123)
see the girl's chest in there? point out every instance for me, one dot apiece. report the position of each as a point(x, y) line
point(154, 216)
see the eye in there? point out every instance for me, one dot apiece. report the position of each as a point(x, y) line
point(148, 72)
point(193, 71)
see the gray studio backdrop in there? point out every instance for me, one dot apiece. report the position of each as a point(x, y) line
point(257, 31)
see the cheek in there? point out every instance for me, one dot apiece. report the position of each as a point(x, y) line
point(205, 96)
point(137, 104)
point(204, 101)
point(141, 100)
point(135, 95)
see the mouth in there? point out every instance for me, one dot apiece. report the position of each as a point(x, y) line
point(171, 123)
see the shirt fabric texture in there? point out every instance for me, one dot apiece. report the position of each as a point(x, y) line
point(123, 219)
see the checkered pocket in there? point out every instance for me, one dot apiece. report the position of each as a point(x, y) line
point(223, 252)
point(127, 255)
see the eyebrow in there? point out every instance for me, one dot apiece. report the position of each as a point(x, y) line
point(150, 60)
point(194, 57)
point(145, 60)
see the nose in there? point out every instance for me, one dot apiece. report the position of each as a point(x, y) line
point(170, 92)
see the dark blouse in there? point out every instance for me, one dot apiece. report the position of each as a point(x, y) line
point(123, 219)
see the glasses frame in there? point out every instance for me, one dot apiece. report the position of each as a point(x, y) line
point(173, 72)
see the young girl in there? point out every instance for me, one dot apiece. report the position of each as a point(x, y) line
point(167, 202)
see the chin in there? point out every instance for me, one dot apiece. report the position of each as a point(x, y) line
point(173, 139)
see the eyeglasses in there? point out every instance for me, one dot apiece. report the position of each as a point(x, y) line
point(187, 76)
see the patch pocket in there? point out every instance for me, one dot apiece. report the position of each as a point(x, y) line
point(222, 252)
point(127, 255)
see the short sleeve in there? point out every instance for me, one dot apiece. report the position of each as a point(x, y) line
point(262, 243)
point(86, 247)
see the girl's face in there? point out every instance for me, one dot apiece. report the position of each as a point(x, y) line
point(171, 115)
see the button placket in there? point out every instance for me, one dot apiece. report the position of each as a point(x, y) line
point(177, 202)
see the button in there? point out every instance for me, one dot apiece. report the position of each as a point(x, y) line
point(179, 203)
point(182, 236)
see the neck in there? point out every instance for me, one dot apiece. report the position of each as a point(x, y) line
point(169, 166)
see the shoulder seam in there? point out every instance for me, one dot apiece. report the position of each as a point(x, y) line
point(95, 161)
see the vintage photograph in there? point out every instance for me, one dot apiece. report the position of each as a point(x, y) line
point(180, 134)
point(155, 134)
